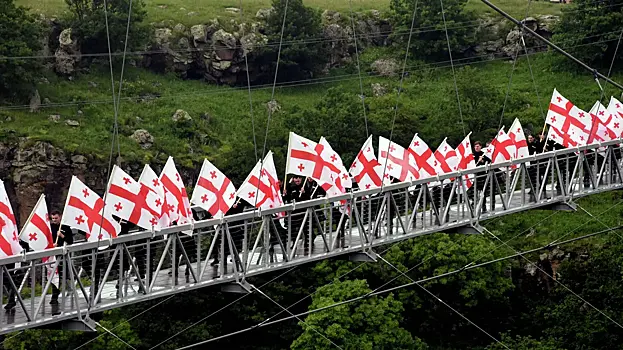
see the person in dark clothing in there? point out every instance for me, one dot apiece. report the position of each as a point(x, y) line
point(298, 190)
point(481, 159)
point(18, 275)
point(535, 170)
point(61, 235)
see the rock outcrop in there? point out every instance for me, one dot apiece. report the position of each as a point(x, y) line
point(68, 55)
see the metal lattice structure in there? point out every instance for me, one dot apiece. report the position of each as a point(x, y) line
point(94, 279)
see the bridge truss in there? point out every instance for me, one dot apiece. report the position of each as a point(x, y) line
point(94, 278)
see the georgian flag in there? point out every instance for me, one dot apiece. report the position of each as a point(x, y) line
point(615, 108)
point(466, 160)
point(516, 134)
point(424, 157)
point(397, 161)
point(9, 241)
point(36, 232)
point(305, 158)
point(85, 211)
point(446, 160)
point(569, 125)
point(176, 206)
point(261, 187)
point(150, 179)
point(214, 192)
point(606, 125)
point(501, 149)
point(366, 169)
point(132, 201)
point(340, 181)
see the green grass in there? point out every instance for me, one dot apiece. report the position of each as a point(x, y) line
point(205, 10)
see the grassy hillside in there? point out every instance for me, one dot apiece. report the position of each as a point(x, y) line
point(191, 12)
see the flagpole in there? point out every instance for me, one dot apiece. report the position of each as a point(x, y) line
point(285, 178)
point(42, 197)
point(302, 188)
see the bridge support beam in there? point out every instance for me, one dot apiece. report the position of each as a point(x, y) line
point(369, 256)
point(468, 229)
point(79, 325)
point(242, 287)
point(563, 206)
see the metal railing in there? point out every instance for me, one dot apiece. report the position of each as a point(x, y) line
point(145, 265)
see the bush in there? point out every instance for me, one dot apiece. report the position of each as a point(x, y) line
point(429, 38)
point(20, 34)
point(87, 17)
point(302, 55)
point(589, 30)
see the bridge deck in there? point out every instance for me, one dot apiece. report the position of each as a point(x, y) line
point(251, 234)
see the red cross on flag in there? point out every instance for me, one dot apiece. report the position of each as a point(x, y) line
point(446, 160)
point(36, 232)
point(132, 201)
point(400, 162)
point(261, 187)
point(501, 149)
point(571, 125)
point(150, 179)
point(366, 170)
point(177, 206)
point(606, 124)
point(616, 110)
point(85, 211)
point(309, 159)
point(9, 241)
point(466, 160)
point(338, 182)
point(214, 191)
point(518, 137)
point(424, 158)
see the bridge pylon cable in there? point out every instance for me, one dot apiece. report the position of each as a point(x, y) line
point(363, 96)
point(555, 279)
point(456, 87)
point(392, 289)
point(515, 59)
point(246, 63)
point(551, 44)
point(114, 335)
point(444, 303)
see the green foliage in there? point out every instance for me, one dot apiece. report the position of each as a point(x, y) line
point(525, 343)
point(88, 18)
point(429, 38)
point(302, 55)
point(20, 36)
point(597, 23)
point(373, 323)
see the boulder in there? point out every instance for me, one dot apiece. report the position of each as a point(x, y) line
point(180, 28)
point(71, 122)
point(378, 90)
point(199, 33)
point(385, 67)
point(143, 138)
point(181, 115)
point(232, 10)
point(273, 106)
point(162, 36)
point(67, 56)
point(263, 14)
point(35, 101)
point(251, 41)
point(224, 44)
point(55, 118)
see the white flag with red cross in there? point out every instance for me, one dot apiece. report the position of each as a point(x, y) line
point(177, 205)
point(606, 125)
point(261, 187)
point(397, 161)
point(36, 231)
point(132, 201)
point(466, 160)
point(616, 110)
point(9, 241)
point(501, 149)
point(338, 182)
point(214, 192)
point(446, 160)
point(366, 169)
point(424, 157)
point(516, 134)
point(305, 158)
point(150, 179)
point(85, 211)
point(615, 106)
point(569, 125)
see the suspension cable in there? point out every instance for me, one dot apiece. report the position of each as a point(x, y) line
point(246, 62)
point(392, 289)
point(402, 78)
point(363, 96)
point(515, 59)
point(456, 88)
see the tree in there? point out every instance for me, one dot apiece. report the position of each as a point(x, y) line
point(302, 55)
point(87, 17)
point(429, 37)
point(369, 324)
point(589, 30)
point(525, 343)
point(20, 35)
